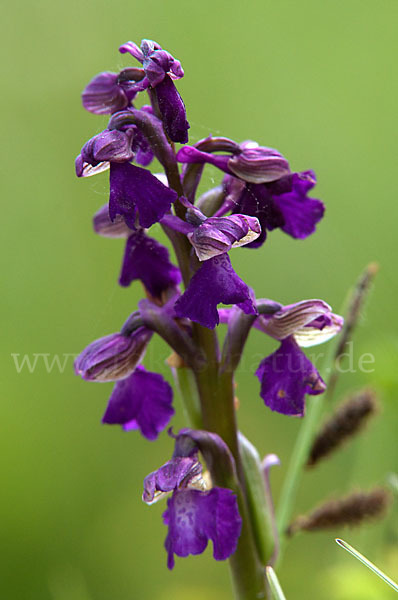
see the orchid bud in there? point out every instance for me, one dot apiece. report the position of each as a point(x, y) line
point(257, 164)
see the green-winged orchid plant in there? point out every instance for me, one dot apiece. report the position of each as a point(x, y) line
point(219, 500)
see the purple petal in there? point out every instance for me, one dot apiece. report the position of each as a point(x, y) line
point(156, 62)
point(84, 169)
point(257, 201)
point(103, 95)
point(104, 226)
point(110, 146)
point(142, 148)
point(173, 112)
point(300, 213)
point(147, 260)
point(257, 164)
point(214, 282)
point(112, 357)
point(142, 401)
point(149, 46)
point(194, 517)
point(191, 155)
point(176, 472)
point(286, 376)
point(157, 66)
point(218, 235)
point(292, 317)
point(132, 49)
point(134, 188)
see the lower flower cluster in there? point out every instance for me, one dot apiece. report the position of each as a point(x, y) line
point(195, 514)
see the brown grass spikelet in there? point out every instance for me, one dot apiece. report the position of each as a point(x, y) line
point(346, 422)
point(351, 511)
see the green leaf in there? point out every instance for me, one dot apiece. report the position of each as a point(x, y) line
point(367, 563)
point(259, 505)
point(274, 584)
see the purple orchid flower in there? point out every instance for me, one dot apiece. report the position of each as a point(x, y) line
point(259, 183)
point(161, 68)
point(287, 374)
point(248, 161)
point(140, 399)
point(194, 513)
point(282, 204)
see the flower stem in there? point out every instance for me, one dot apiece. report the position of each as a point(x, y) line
point(216, 392)
point(186, 386)
point(216, 395)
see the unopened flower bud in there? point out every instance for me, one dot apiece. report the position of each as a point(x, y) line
point(257, 164)
point(218, 235)
point(112, 357)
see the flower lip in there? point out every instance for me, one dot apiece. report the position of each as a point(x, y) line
point(215, 282)
point(143, 401)
point(286, 376)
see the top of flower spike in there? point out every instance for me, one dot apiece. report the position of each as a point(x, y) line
point(157, 62)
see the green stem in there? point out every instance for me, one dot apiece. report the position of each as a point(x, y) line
point(186, 386)
point(296, 467)
point(216, 392)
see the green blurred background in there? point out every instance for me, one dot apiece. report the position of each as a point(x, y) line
point(318, 81)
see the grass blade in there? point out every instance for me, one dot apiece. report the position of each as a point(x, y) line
point(367, 563)
point(274, 584)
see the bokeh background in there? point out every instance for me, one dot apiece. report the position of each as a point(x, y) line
point(318, 81)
